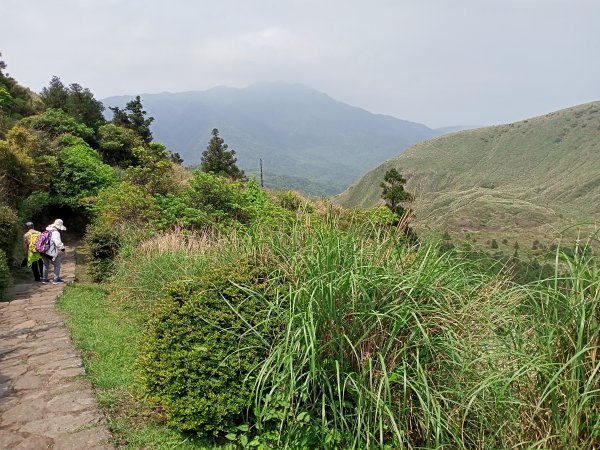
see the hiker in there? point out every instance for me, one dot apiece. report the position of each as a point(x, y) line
point(32, 258)
point(54, 252)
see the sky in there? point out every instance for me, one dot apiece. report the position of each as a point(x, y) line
point(437, 62)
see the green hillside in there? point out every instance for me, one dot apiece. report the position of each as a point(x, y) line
point(535, 176)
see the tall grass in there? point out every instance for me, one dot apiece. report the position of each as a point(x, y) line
point(389, 346)
point(566, 313)
point(386, 345)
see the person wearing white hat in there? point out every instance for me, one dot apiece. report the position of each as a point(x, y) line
point(54, 253)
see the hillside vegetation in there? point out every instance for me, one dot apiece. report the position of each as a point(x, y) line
point(532, 177)
point(217, 314)
point(297, 131)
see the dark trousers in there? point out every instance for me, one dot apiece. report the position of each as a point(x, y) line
point(37, 267)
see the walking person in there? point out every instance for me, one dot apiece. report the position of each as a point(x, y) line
point(32, 258)
point(54, 253)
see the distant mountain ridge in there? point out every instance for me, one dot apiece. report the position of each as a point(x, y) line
point(297, 131)
point(536, 174)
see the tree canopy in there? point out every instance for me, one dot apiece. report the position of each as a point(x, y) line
point(134, 117)
point(75, 100)
point(217, 159)
point(393, 192)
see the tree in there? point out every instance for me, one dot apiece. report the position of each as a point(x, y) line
point(134, 118)
point(76, 101)
point(16, 101)
point(116, 145)
point(218, 160)
point(393, 192)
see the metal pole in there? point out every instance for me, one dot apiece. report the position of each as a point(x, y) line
point(262, 184)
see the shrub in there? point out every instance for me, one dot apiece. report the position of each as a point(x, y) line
point(124, 204)
point(4, 274)
point(104, 244)
point(82, 173)
point(10, 230)
point(202, 344)
point(175, 210)
point(220, 198)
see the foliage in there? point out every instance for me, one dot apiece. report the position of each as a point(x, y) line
point(218, 160)
point(174, 210)
point(74, 100)
point(104, 245)
point(4, 274)
point(54, 123)
point(565, 310)
point(16, 172)
point(10, 230)
point(36, 163)
point(82, 174)
point(16, 102)
point(221, 199)
point(375, 353)
point(153, 169)
point(32, 206)
point(107, 335)
point(393, 192)
point(134, 118)
point(202, 344)
point(124, 204)
point(116, 145)
point(292, 201)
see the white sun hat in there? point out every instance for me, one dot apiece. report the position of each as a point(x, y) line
point(58, 223)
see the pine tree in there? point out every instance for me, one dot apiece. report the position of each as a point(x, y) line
point(393, 192)
point(134, 118)
point(217, 159)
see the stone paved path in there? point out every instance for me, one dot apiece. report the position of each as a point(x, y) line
point(44, 401)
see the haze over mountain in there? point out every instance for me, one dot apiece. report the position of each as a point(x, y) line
point(530, 175)
point(297, 131)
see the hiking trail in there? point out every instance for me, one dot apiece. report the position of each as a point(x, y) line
point(45, 402)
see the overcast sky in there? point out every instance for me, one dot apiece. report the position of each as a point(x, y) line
point(439, 62)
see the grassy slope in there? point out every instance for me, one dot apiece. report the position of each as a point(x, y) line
point(532, 176)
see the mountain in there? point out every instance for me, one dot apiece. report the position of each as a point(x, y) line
point(535, 176)
point(297, 131)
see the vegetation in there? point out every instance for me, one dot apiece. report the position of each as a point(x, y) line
point(216, 314)
point(218, 160)
point(513, 181)
point(4, 274)
point(393, 193)
point(8, 236)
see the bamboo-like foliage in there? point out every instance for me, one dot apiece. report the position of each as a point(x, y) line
point(384, 345)
point(390, 346)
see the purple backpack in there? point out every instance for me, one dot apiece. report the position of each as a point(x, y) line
point(42, 243)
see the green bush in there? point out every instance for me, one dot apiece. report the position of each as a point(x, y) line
point(4, 274)
point(10, 230)
point(104, 244)
point(82, 173)
point(124, 204)
point(202, 344)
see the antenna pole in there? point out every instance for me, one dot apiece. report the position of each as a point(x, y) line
point(262, 183)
